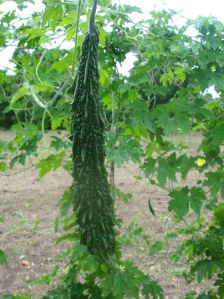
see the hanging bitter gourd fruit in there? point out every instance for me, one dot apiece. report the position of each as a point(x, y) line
point(93, 202)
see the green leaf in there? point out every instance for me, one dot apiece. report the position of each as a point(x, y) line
point(68, 237)
point(3, 257)
point(33, 33)
point(123, 282)
point(204, 269)
point(60, 292)
point(126, 148)
point(62, 65)
point(185, 165)
point(44, 87)
point(166, 170)
point(151, 289)
point(127, 281)
point(173, 117)
point(7, 296)
point(56, 123)
point(66, 202)
point(2, 220)
point(58, 143)
point(52, 15)
point(52, 162)
point(19, 94)
point(47, 279)
point(26, 131)
point(103, 38)
point(179, 204)
point(149, 166)
point(215, 182)
point(180, 74)
point(3, 166)
point(21, 159)
point(167, 78)
point(104, 81)
point(69, 19)
point(156, 247)
point(123, 196)
point(70, 34)
point(219, 215)
point(25, 296)
point(196, 199)
point(217, 134)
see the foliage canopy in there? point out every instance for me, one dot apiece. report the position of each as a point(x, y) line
point(165, 93)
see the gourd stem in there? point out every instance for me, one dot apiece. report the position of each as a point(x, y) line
point(76, 35)
point(113, 131)
point(92, 25)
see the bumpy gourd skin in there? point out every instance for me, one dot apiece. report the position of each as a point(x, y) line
point(93, 203)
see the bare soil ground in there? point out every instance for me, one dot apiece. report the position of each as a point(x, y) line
point(29, 205)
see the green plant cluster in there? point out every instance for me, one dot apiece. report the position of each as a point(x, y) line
point(165, 94)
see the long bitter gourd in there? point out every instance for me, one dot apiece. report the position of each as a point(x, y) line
point(93, 202)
